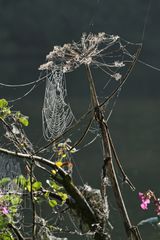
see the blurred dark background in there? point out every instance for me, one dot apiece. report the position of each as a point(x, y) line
point(29, 30)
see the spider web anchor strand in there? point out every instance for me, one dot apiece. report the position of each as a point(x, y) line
point(57, 115)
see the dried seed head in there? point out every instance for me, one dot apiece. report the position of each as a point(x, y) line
point(71, 56)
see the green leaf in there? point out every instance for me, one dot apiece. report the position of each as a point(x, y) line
point(28, 186)
point(15, 200)
point(3, 103)
point(13, 210)
point(36, 186)
point(21, 180)
point(4, 181)
point(53, 203)
point(64, 196)
point(46, 195)
point(24, 121)
point(54, 185)
point(18, 114)
point(3, 222)
point(6, 236)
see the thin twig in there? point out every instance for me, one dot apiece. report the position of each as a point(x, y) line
point(125, 77)
point(83, 135)
point(125, 177)
point(62, 135)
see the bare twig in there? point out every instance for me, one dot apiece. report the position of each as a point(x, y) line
point(108, 167)
point(83, 135)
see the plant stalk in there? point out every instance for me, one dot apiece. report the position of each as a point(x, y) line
point(108, 170)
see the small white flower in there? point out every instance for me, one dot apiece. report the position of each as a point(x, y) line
point(119, 64)
point(117, 76)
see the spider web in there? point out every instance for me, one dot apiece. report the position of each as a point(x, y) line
point(57, 115)
point(9, 167)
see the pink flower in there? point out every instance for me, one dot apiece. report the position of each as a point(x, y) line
point(5, 210)
point(145, 200)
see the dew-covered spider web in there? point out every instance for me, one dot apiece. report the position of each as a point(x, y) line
point(9, 171)
point(56, 114)
point(9, 167)
point(107, 53)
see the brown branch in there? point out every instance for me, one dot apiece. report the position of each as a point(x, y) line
point(108, 170)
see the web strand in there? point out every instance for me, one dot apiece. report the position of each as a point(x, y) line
point(57, 115)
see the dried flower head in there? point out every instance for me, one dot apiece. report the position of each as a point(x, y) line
point(89, 51)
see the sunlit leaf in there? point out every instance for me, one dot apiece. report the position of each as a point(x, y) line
point(15, 199)
point(4, 181)
point(36, 186)
point(6, 236)
point(28, 186)
point(13, 209)
point(64, 196)
point(24, 121)
point(46, 195)
point(54, 185)
point(53, 203)
point(3, 103)
point(21, 180)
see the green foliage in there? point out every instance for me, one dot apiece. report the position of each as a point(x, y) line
point(64, 196)
point(3, 222)
point(22, 119)
point(9, 203)
point(25, 183)
point(58, 190)
point(4, 109)
point(53, 185)
point(6, 235)
point(15, 199)
point(4, 181)
point(21, 180)
point(52, 203)
point(3, 103)
point(9, 206)
point(5, 112)
point(36, 186)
